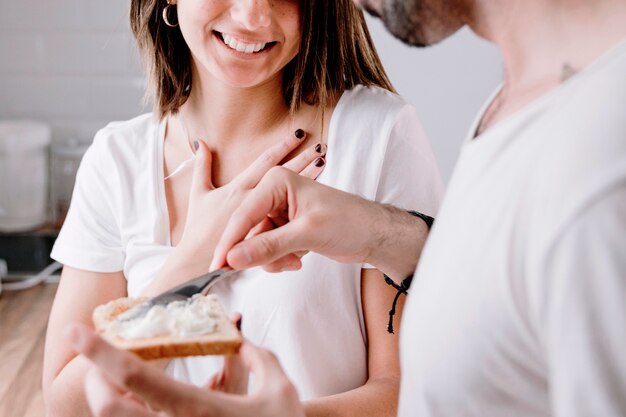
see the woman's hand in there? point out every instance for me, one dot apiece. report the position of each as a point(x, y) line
point(120, 384)
point(210, 207)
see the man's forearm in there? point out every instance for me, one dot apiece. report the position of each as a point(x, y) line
point(397, 241)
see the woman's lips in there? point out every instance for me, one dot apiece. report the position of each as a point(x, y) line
point(239, 46)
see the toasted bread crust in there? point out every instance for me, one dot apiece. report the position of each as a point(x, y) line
point(225, 341)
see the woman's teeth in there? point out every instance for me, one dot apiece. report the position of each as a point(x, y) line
point(247, 48)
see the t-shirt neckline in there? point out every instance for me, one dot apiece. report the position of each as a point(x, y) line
point(603, 59)
point(160, 169)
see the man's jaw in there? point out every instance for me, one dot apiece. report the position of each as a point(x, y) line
point(372, 7)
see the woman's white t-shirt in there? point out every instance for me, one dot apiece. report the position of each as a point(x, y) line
point(312, 318)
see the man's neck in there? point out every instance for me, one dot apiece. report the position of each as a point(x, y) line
point(543, 43)
point(538, 38)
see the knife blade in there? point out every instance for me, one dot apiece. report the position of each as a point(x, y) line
point(182, 292)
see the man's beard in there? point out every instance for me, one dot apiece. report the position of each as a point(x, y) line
point(404, 19)
point(420, 22)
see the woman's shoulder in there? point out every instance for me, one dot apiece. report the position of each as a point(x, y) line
point(124, 145)
point(372, 112)
point(365, 100)
point(129, 135)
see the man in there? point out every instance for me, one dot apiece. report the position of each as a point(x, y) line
point(517, 305)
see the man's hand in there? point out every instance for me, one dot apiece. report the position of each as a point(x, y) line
point(122, 385)
point(287, 215)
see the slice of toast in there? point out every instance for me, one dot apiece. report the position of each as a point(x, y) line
point(224, 340)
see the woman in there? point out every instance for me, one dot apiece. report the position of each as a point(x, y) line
point(231, 79)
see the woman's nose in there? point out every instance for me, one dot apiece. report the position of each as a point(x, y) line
point(252, 14)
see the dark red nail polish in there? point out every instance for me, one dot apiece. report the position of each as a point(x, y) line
point(318, 148)
point(196, 145)
point(299, 133)
point(319, 162)
point(238, 324)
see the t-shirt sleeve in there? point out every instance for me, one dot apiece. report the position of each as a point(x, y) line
point(409, 177)
point(90, 237)
point(581, 318)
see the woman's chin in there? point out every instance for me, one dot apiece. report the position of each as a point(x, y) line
point(245, 79)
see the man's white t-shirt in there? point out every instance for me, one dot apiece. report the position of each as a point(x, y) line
point(518, 306)
point(312, 319)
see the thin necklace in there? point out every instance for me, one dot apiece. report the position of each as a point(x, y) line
point(183, 124)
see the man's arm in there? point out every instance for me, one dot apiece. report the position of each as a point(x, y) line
point(289, 214)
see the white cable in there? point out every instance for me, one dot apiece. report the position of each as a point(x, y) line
point(180, 167)
point(183, 164)
point(44, 276)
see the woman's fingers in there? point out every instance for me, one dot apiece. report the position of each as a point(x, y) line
point(272, 157)
point(305, 158)
point(314, 169)
point(201, 180)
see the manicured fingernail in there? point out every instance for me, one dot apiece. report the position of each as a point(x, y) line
point(238, 324)
point(196, 145)
point(299, 133)
point(318, 148)
point(319, 162)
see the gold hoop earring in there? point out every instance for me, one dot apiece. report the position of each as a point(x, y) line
point(166, 10)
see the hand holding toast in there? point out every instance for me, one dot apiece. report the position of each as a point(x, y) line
point(120, 384)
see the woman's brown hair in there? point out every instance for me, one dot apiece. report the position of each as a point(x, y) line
point(336, 53)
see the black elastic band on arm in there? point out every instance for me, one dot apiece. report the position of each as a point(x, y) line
point(403, 288)
point(427, 219)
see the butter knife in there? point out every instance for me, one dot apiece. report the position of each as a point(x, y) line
point(182, 292)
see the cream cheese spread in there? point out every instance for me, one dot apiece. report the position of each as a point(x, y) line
point(190, 318)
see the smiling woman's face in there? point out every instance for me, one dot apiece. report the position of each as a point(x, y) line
point(243, 43)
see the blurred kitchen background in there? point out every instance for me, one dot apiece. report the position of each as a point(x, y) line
point(69, 67)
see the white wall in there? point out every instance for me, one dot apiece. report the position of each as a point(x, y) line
point(73, 64)
point(448, 84)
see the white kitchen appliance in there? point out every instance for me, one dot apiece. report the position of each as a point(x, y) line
point(23, 174)
point(65, 157)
